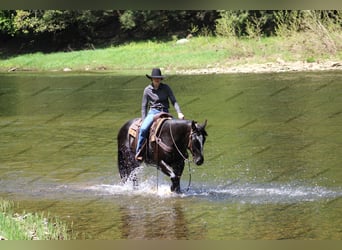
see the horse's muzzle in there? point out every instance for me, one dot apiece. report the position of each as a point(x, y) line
point(199, 161)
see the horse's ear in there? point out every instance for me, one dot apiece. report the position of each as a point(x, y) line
point(193, 125)
point(203, 128)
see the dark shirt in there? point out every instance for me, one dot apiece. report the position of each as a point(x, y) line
point(158, 99)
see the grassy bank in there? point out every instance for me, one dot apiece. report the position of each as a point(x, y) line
point(199, 52)
point(29, 226)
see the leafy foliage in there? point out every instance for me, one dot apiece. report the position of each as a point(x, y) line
point(79, 29)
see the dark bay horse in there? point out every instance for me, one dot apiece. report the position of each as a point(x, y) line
point(169, 153)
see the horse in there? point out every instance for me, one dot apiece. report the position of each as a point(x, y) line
point(169, 151)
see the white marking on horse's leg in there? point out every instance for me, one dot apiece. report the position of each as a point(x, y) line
point(172, 174)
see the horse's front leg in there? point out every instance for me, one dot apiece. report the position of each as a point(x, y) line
point(175, 186)
point(175, 179)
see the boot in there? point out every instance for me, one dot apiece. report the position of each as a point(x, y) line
point(139, 155)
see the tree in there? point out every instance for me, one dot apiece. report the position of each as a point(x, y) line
point(6, 22)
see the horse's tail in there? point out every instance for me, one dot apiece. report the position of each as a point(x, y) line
point(126, 160)
point(123, 162)
point(126, 163)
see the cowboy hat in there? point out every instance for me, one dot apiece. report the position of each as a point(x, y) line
point(156, 73)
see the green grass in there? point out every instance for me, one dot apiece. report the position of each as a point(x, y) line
point(200, 52)
point(29, 226)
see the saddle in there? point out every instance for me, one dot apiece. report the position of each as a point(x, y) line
point(153, 139)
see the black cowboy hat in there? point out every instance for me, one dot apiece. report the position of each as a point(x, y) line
point(156, 73)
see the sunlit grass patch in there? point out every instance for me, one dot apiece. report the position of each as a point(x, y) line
point(28, 226)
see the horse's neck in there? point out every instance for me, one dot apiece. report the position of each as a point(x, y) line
point(179, 130)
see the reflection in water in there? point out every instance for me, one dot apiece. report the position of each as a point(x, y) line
point(272, 168)
point(137, 223)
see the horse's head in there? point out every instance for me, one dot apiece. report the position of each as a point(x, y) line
point(197, 140)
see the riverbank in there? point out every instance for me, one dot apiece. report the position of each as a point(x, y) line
point(270, 67)
point(230, 68)
point(28, 226)
point(200, 55)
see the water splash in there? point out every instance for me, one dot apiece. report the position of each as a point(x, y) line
point(159, 188)
point(146, 188)
point(267, 193)
point(234, 193)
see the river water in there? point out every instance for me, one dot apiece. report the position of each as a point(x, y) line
point(272, 165)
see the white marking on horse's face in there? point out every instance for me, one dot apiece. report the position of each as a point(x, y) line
point(197, 152)
point(200, 139)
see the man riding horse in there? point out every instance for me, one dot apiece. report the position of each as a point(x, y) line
point(156, 98)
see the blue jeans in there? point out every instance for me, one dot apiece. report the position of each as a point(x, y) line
point(145, 127)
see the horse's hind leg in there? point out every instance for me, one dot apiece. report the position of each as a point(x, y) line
point(134, 178)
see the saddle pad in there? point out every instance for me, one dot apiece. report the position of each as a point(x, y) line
point(134, 128)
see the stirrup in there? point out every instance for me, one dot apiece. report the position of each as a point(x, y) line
point(138, 155)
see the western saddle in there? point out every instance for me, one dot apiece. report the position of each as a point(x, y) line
point(153, 140)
